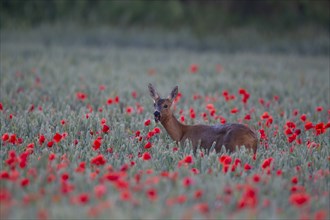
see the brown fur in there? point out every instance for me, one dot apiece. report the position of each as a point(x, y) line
point(229, 135)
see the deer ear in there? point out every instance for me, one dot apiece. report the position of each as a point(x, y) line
point(153, 92)
point(174, 93)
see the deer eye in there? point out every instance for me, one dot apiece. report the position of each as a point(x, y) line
point(155, 105)
point(165, 106)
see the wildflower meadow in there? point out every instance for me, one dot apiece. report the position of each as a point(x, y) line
point(79, 141)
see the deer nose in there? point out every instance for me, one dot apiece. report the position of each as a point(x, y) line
point(157, 114)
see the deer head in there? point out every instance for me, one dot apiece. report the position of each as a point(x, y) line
point(162, 106)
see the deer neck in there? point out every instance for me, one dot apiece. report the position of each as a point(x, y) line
point(173, 127)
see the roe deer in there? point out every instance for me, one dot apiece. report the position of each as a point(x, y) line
point(229, 135)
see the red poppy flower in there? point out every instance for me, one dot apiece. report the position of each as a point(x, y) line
point(256, 178)
point(150, 135)
point(105, 128)
point(320, 128)
point(188, 159)
point(194, 170)
point(113, 176)
point(249, 198)
point(267, 162)
point(202, 208)
point(297, 188)
point(139, 108)
point(41, 139)
point(237, 161)
point(103, 121)
point(222, 120)
point(156, 130)
point(247, 167)
point(30, 146)
point(51, 178)
point(50, 144)
point(51, 156)
point(125, 195)
point(303, 117)
point(97, 143)
point(295, 112)
point(83, 198)
point(297, 132)
point(146, 156)
point(65, 176)
point(152, 194)
point(187, 181)
point(245, 95)
point(234, 110)
point(198, 194)
point(327, 125)
point(193, 68)
point(31, 108)
point(102, 87)
point(134, 94)
point(225, 159)
point(247, 117)
point(4, 175)
point(279, 172)
point(263, 135)
point(57, 137)
point(181, 199)
point(319, 108)
point(192, 115)
point(265, 115)
point(294, 180)
point(320, 215)
point(12, 138)
point(25, 182)
point(81, 96)
point(147, 145)
point(225, 168)
point(299, 199)
point(100, 190)
point(308, 125)
point(182, 118)
point(129, 110)
point(290, 124)
point(292, 137)
point(5, 137)
point(117, 100)
point(98, 160)
point(242, 91)
point(147, 122)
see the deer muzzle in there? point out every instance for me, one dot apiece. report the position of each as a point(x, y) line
point(157, 116)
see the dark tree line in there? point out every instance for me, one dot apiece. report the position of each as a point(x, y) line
point(203, 15)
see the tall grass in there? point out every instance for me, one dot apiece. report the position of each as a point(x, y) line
point(71, 90)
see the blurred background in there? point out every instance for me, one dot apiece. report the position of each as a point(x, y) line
point(269, 25)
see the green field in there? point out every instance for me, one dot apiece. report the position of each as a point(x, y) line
point(58, 91)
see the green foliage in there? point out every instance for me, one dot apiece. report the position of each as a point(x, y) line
point(202, 17)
